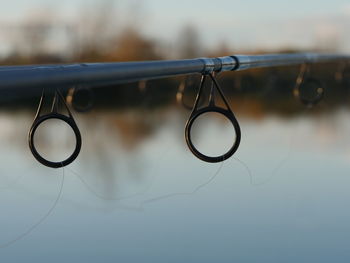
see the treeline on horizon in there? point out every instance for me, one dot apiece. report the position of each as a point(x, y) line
point(259, 91)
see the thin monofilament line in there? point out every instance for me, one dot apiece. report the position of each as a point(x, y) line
point(211, 179)
point(105, 198)
point(15, 181)
point(38, 223)
point(282, 162)
point(98, 195)
point(159, 198)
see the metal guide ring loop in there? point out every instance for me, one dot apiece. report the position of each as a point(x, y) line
point(212, 108)
point(180, 95)
point(319, 91)
point(71, 99)
point(213, 159)
point(74, 127)
point(304, 80)
point(54, 115)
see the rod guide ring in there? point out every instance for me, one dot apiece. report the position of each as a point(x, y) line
point(212, 159)
point(75, 129)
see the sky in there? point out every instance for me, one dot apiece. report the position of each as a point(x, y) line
point(241, 24)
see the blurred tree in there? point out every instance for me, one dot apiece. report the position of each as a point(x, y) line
point(222, 49)
point(130, 45)
point(31, 37)
point(94, 30)
point(189, 43)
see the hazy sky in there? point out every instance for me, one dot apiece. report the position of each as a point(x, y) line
point(242, 24)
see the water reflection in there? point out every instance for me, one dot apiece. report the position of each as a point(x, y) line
point(137, 194)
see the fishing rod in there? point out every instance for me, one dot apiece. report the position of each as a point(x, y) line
point(59, 78)
point(100, 74)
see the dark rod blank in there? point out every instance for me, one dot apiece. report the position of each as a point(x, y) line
point(100, 74)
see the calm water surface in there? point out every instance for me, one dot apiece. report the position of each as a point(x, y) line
point(136, 193)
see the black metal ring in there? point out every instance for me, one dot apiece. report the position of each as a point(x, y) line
point(320, 92)
point(71, 99)
point(67, 120)
point(229, 115)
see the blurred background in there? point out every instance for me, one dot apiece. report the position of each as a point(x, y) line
point(136, 193)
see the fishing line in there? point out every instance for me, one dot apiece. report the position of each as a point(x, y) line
point(309, 105)
point(147, 188)
point(101, 197)
point(171, 195)
point(318, 99)
point(95, 193)
point(41, 220)
point(307, 109)
point(16, 181)
point(273, 172)
point(282, 162)
point(201, 186)
point(155, 199)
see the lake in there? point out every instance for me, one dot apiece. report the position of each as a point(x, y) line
point(137, 194)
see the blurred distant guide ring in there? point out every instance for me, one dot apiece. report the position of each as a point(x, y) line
point(188, 82)
point(310, 83)
point(72, 95)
